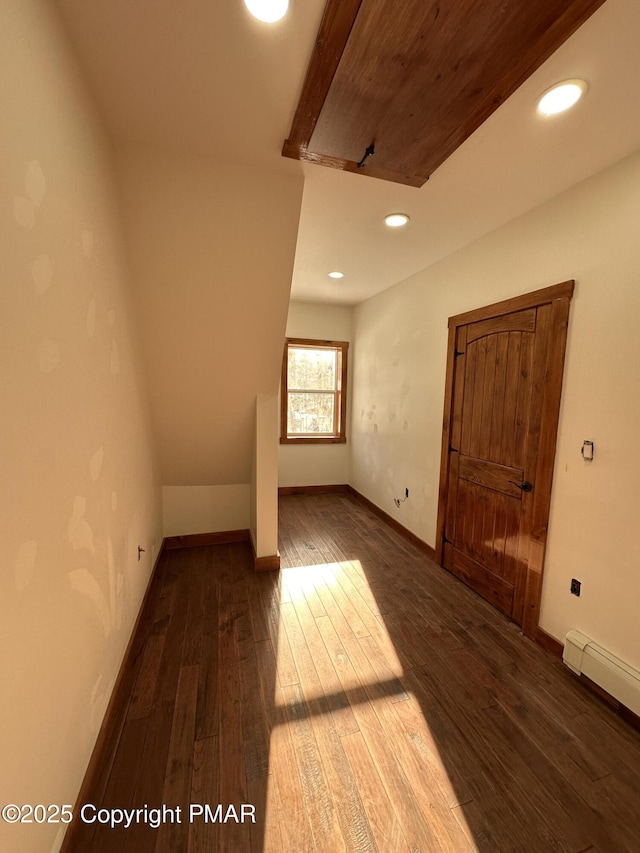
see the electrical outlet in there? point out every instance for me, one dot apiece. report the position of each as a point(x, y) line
point(575, 587)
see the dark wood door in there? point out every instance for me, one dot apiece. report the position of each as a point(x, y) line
point(504, 393)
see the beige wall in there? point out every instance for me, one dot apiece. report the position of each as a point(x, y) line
point(79, 485)
point(212, 247)
point(589, 233)
point(205, 509)
point(318, 465)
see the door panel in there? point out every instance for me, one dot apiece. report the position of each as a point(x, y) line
point(499, 389)
point(499, 374)
point(524, 322)
point(490, 586)
point(487, 528)
point(491, 475)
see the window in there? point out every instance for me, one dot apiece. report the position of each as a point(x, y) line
point(314, 385)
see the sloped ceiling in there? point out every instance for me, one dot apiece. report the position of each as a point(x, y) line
point(211, 250)
point(205, 78)
point(198, 76)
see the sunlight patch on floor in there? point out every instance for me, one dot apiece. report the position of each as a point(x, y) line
point(333, 641)
point(343, 588)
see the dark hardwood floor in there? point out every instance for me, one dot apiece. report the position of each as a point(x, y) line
point(361, 700)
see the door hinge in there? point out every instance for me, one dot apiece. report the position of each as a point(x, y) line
point(457, 352)
point(453, 449)
point(445, 540)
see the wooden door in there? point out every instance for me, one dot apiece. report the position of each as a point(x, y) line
point(501, 413)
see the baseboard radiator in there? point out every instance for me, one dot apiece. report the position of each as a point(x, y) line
point(584, 657)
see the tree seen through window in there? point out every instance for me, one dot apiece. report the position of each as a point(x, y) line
point(314, 374)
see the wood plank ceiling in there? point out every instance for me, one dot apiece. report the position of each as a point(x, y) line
point(415, 79)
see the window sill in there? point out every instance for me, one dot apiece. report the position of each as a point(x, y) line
point(319, 440)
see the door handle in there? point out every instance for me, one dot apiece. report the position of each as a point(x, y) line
point(525, 487)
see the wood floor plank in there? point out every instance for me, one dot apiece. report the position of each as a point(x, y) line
point(552, 736)
point(496, 772)
point(347, 607)
point(349, 679)
point(168, 579)
point(305, 667)
point(399, 641)
point(352, 817)
point(239, 560)
point(607, 743)
point(433, 803)
point(153, 765)
point(255, 722)
point(612, 799)
point(230, 612)
point(342, 803)
point(283, 818)
point(383, 751)
point(205, 789)
point(264, 833)
point(474, 824)
point(386, 687)
point(385, 664)
point(385, 824)
point(328, 680)
point(192, 648)
point(232, 772)
point(508, 756)
point(207, 712)
point(417, 828)
point(146, 682)
point(559, 809)
point(367, 610)
point(259, 625)
point(418, 723)
point(318, 800)
point(299, 583)
point(407, 643)
point(317, 718)
point(121, 787)
point(272, 599)
point(173, 835)
point(428, 620)
point(291, 814)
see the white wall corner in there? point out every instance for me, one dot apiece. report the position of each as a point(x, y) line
point(264, 493)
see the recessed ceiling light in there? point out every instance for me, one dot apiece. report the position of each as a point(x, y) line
point(268, 11)
point(561, 97)
point(396, 220)
point(336, 274)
